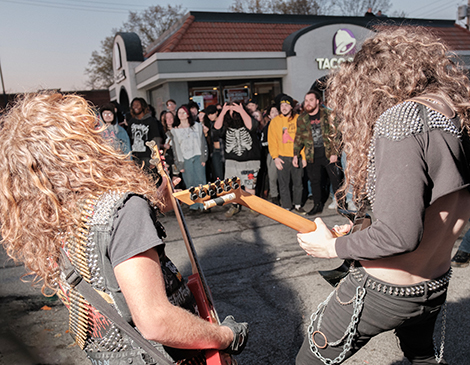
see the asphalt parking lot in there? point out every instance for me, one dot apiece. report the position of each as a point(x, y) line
point(256, 272)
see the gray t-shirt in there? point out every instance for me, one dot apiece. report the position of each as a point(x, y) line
point(134, 231)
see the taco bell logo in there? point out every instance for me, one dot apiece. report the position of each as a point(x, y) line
point(344, 43)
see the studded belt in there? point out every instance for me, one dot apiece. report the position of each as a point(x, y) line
point(415, 290)
point(134, 357)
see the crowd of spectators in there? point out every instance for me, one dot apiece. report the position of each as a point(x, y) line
point(260, 147)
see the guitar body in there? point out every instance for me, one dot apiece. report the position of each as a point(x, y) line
point(213, 357)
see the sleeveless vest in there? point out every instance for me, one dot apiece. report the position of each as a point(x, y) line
point(88, 251)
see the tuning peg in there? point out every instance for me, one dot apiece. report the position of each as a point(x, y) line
point(227, 186)
point(212, 190)
point(193, 193)
point(150, 143)
point(202, 192)
point(235, 183)
point(218, 188)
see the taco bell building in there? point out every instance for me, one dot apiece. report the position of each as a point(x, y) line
point(214, 57)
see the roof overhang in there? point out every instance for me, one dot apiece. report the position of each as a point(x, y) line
point(192, 66)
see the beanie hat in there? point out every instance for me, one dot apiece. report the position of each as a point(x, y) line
point(287, 99)
point(107, 107)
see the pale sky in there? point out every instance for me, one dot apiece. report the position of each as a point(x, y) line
point(48, 43)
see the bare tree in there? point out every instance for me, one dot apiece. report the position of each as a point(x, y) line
point(152, 22)
point(311, 7)
point(100, 66)
point(148, 24)
point(307, 7)
point(251, 6)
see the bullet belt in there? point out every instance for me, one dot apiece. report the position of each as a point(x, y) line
point(415, 290)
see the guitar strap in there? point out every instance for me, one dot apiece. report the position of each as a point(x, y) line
point(435, 102)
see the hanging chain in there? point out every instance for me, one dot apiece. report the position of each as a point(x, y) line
point(358, 302)
point(439, 353)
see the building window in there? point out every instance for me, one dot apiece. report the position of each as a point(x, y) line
point(227, 91)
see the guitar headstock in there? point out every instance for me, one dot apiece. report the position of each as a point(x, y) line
point(156, 158)
point(210, 192)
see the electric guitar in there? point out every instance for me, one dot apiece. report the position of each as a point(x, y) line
point(196, 282)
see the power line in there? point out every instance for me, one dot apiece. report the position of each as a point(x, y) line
point(439, 8)
point(111, 3)
point(55, 5)
point(111, 7)
point(427, 5)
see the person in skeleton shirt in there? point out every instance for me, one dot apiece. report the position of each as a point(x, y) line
point(242, 147)
point(142, 128)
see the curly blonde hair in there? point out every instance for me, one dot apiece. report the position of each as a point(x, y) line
point(51, 159)
point(392, 66)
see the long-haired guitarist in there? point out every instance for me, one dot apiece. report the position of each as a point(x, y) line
point(64, 187)
point(404, 108)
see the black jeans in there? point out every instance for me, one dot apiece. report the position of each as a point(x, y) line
point(284, 177)
point(412, 317)
point(314, 171)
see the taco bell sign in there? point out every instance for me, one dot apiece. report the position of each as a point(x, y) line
point(344, 45)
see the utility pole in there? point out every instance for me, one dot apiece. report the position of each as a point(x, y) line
point(3, 85)
point(468, 18)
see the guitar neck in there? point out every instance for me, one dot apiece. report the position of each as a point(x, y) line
point(253, 202)
point(195, 267)
point(275, 212)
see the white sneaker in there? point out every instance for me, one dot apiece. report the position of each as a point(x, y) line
point(332, 205)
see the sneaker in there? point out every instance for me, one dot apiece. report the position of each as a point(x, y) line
point(300, 211)
point(460, 259)
point(317, 208)
point(333, 204)
point(234, 209)
point(255, 213)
